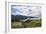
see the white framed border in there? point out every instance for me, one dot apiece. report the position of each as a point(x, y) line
point(8, 17)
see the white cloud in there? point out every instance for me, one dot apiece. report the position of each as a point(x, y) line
point(26, 12)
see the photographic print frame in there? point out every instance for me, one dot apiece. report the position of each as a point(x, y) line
point(9, 15)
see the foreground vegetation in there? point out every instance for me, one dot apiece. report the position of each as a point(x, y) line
point(26, 24)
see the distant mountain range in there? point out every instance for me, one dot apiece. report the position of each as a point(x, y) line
point(21, 17)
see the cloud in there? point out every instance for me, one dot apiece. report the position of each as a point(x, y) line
point(27, 11)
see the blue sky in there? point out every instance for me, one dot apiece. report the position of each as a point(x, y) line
point(24, 10)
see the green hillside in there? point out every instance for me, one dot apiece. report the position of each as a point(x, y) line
point(26, 24)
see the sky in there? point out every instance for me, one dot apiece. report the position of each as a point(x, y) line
point(26, 10)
